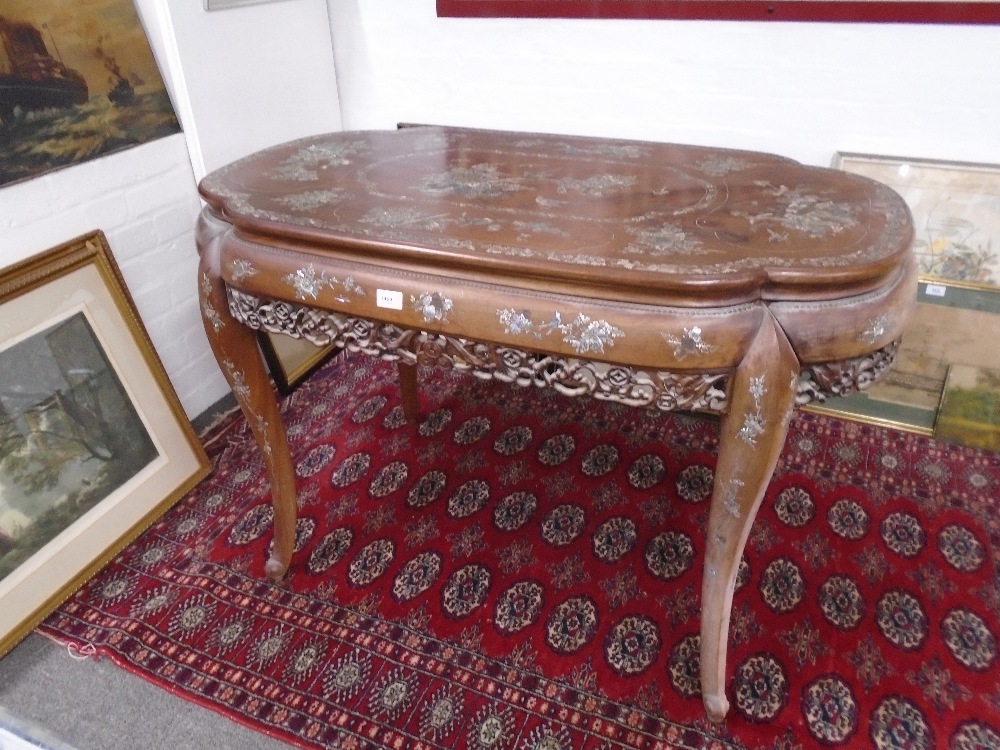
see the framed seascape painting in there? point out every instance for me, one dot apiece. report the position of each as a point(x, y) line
point(77, 81)
point(956, 213)
point(94, 444)
point(951, 325)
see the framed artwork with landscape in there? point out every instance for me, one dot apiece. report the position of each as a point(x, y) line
point(970, 408)
point(956, 217)
point(94, 444)
point(956, 213)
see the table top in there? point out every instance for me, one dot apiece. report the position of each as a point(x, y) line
point(599, 213)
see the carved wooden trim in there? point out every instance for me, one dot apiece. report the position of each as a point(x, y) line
point(667, 391)
point(845, 377)
point(573, 377)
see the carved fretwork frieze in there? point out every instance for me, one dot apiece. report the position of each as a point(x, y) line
point(668, 391)
point(843, 378)
point(574, 377)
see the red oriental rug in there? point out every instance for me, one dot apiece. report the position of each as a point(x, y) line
point(521, 572)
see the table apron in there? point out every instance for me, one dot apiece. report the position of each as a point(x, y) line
point(573, 376)
point(662, 337)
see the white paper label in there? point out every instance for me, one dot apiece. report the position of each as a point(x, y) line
point(389, 299)
point(935, 290)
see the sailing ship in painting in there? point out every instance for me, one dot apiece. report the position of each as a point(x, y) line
point(68, 94)
point(122, 93)
point(30, 77)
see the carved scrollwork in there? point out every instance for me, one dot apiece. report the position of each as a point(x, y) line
point(843, 378)
point(667, 391)
point(570, 376)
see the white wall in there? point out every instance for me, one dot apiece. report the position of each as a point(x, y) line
point(252, 76)
point(276, 58)
point(247, 77)
point(804, 90)
point(144, 200)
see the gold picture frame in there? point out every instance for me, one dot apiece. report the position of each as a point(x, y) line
point(948, 326)
point(290, 360)
point(94, 444)
point(970, 408)
point(956, 213)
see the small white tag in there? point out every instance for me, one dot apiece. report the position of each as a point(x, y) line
point(936, 290)
point(389, 299)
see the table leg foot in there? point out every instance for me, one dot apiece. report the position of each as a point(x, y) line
point(716, 707)
point(751, 438)
point(235, 348)
point(275, 568)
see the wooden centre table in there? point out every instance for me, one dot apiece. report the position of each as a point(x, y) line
point(667, 276)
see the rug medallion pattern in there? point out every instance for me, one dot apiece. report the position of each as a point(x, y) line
point(522, 572)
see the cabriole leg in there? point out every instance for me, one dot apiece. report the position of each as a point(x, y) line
point(235, 348)
point(752, 436)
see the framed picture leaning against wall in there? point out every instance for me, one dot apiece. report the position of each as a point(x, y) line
point(956, 213)
point(956, 217)
point(94, 444)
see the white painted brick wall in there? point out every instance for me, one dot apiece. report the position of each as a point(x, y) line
point(804, 90)
point(275, 61)
point(145, 200)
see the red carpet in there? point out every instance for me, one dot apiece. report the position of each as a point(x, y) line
point(523, 573)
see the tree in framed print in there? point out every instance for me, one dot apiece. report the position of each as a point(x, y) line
point(69, 435)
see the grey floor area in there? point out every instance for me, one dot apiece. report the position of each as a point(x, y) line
point(95, 705)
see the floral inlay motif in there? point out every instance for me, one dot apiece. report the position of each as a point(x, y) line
point(582, 333)
point(618, 151)
point(875, 330)
point(805, 212)
point(539, 227)
point(667, 239)
point(312, 199)
point(434, 306)
point(239, 384)
point(717, 166)
point(207, 309)
point(597, 186)
point(691, 343)
point(243, 269)
point(730, 501)
point(397, 218)
point(241, 389)
point(212, 316)
point(305, 164)
point(431, 142)
point(753, 423)
point(308, 283)
point(477, 181)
